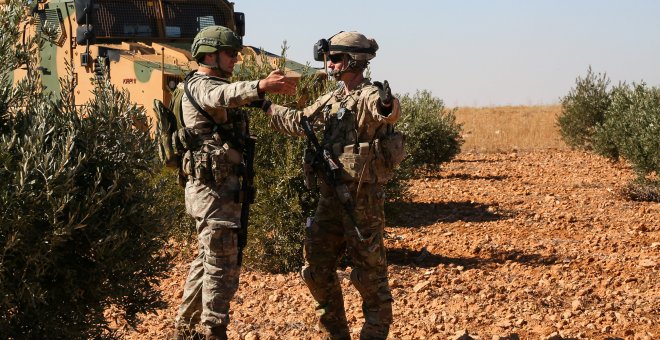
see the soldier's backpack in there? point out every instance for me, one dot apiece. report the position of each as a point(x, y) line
point(173, 137)
point(168, 124)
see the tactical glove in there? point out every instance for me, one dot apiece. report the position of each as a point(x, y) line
point(262, 104)
point(385, 94)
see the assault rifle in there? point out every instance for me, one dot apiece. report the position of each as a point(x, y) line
point(248, 192)
point(330, 173)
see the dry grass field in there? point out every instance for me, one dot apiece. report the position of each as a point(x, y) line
point(506, 128)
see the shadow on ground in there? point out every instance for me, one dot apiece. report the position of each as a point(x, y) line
point(421, 214)
point(478, 160)
point(425, 259)
point(466, 177)
point(475, 177)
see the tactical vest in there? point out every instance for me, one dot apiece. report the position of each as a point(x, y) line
point(215, 152)
point(370, 161)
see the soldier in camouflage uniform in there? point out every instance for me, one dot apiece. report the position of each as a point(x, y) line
point(355, 120)
point(212, 167)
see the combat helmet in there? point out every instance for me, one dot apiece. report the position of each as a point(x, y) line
point(354, 44)
point(211, 39)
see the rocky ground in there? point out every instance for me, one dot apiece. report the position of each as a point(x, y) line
point(534, 245)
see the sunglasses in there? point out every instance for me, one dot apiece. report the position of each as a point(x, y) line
point(336, 58)
point(231, 53)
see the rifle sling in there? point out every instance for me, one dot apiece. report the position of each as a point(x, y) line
point(196, 105)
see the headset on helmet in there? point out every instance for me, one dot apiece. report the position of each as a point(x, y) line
point(354, 44)
point(215, 38)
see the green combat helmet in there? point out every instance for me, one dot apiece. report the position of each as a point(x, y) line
point(212, 39)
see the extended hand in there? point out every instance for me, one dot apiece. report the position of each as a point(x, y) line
point(384, 92)
point(278, 83)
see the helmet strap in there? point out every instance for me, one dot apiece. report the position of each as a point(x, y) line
point(223, 74)
point(351, 65)
point(216, 66)
point(338, 73)
point(212, 67)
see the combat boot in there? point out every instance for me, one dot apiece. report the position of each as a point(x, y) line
point(217, 333)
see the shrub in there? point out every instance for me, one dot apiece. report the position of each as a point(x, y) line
point(623, 122)
point(432, 134)
point(583, 108)
point(283, 203)
point(79, 231)
point(604, 138)
point(631, 128)
point(180, 225)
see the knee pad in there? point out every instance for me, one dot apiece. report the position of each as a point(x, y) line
point(310, 281)
point(306, 274)
point(316, 285)
point(356, 280)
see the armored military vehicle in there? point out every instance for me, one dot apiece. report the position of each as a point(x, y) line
point(145, 44)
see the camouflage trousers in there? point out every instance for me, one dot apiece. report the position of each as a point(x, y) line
point(328, 236)
point(213, 276)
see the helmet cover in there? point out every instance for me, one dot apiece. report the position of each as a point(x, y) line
point(211, 39)
point(354, 44)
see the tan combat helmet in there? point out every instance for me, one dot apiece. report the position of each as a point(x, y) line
point(354, 44)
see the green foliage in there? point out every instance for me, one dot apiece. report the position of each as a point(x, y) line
point(180, 225)
point(631, 128)
point(78, 228)
point(282, 203)
point(583, 108)
point(432, 134)
point(623, 122)
point(604, 138)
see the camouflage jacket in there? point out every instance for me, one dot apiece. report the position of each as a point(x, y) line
point(363, 101)
point(216, 96)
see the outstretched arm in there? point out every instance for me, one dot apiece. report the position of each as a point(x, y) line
point(277, 83)
point(287, 120)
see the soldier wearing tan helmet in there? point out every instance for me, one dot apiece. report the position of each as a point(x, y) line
point(214, 166)
point(356, 121)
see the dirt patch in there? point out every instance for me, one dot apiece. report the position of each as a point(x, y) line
point(533, 245)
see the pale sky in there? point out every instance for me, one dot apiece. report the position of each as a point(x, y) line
point(475, 52)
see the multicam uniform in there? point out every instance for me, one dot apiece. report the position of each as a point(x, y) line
point(353, 124)
point(211, 196)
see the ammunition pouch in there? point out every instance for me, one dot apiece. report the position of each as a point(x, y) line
point(187, 164)
point(390, 152)
point(184, 139)
point(391, 146)
point(372, 162)
point(356, 163)
point(209, 166)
